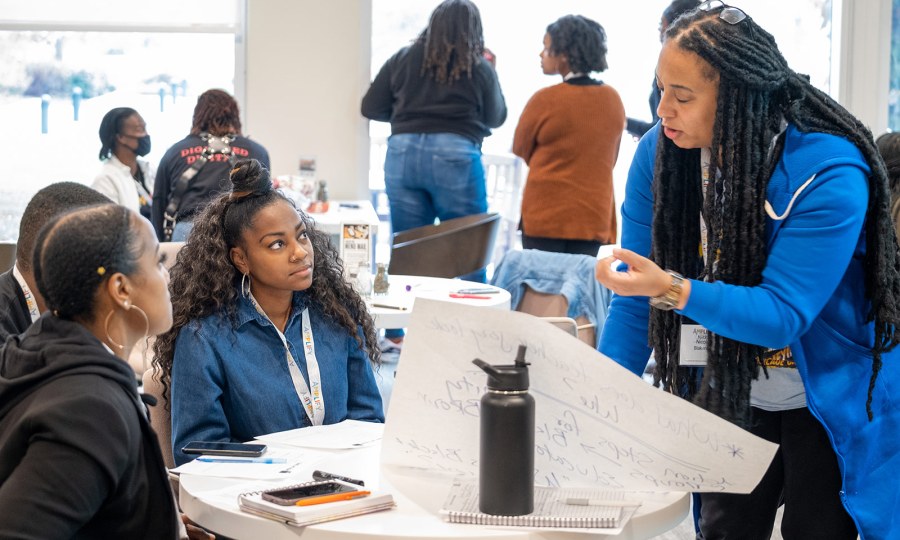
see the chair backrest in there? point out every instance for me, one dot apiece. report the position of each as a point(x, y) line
point(7, 255)
point(452, 248)
point(505, 179)
point(160, 418)
point(553, 308)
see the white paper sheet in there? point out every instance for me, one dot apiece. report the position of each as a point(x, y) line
point(346, 434)
point(597, 424)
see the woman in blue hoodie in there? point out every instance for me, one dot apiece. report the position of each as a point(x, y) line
point(756, 220)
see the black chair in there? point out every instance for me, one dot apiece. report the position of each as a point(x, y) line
point(452, 248)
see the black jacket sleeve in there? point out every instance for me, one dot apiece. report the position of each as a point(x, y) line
point(494, 112)
point(378, 103)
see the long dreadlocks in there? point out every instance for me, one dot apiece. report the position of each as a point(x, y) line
point(453, 41)
point(757, 93)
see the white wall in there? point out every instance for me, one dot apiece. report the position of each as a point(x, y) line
point(864, 61)
point(308, 64)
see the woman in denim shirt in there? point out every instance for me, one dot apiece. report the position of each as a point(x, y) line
point(267, 336)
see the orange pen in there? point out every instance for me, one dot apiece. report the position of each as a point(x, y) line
point(332, 498)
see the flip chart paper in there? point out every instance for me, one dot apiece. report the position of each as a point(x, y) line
point(597, 424)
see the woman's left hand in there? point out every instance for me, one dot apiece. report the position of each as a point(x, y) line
point(643, 277)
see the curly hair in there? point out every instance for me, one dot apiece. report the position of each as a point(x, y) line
point(76, 252)
point(581, 40)
point(216, 113)
point(757, 93)
point(110, 126)
point(453, 41)
point(217, 229)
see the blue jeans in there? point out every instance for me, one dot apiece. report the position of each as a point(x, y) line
point(434, 175)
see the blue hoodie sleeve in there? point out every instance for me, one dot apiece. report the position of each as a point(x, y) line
point(807, 259)
point(624, 337)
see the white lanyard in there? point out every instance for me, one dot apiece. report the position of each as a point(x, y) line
point(313, 402)
point(29, 296)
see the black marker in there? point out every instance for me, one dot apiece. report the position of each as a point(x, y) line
point(322, 475)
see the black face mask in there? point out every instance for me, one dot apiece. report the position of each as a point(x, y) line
point(143, 147)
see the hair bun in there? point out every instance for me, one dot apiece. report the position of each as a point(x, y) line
point(249, 177)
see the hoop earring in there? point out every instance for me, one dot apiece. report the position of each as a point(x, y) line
point(109, 337)
point(146, 321)
point(246, 281)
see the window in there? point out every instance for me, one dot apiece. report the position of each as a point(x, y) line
point(154, 57)
point(802, 28)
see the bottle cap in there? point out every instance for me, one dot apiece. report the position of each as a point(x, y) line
point(507, 377)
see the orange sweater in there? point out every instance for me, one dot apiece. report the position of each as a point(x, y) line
point(569, 136)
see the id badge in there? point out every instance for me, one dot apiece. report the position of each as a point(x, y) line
point(694, 343)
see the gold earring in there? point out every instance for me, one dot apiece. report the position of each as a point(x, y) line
point(109, 337)
point(146, 321)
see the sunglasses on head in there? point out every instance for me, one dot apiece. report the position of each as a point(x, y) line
point(729, 14)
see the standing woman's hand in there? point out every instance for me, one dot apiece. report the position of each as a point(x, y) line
point(643, 277)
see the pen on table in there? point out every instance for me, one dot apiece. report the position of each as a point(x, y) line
point(478, 291)
point(388, 306)
point(348, 205)
point(322, 475)
point(581, 501)
point(345, 496)
point(235, 460)
point(472, 296)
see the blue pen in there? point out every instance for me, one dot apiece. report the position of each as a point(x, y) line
point(253, 460)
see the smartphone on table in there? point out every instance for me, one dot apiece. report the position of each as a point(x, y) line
point(292, 495)
point(224, 449)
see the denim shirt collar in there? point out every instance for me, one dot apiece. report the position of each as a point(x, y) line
point(246, 311)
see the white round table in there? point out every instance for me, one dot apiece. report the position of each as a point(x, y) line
point(405, 289)
point(418, 500)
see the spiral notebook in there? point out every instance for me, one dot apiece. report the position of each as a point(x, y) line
point(554, 508)
point(300, 516)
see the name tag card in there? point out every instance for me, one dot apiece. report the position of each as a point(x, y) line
point(694, 343)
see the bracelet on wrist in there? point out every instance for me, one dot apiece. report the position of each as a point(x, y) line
point(670, 299)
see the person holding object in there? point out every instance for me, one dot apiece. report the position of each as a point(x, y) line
point(569, 136)
point(78, 457)
point(757, 223)
point(271, 338)
point(442, 97)
point(125, 178)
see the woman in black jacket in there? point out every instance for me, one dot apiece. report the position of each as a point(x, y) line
point(78, 458)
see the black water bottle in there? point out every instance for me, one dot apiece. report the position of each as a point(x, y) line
point(506, 463)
